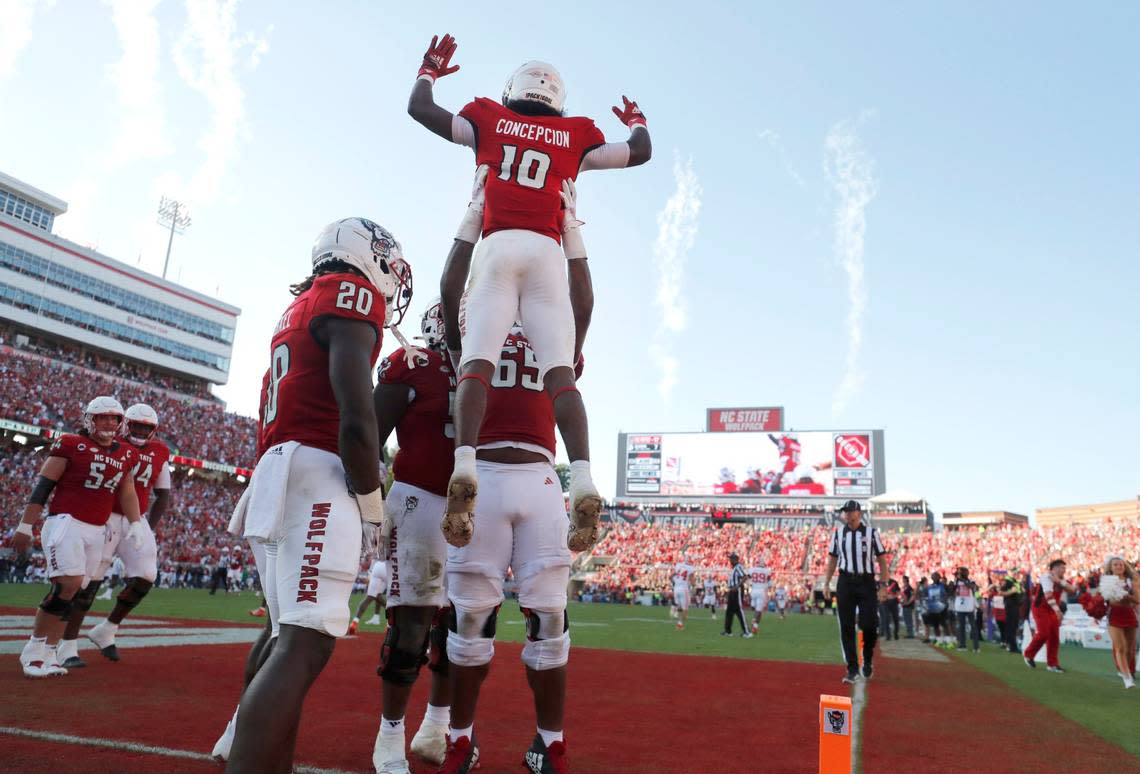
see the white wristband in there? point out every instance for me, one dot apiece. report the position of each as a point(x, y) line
point(471, 226)
point(371, 505)
point(572, 244)
point(425, 77)
point(24, 529)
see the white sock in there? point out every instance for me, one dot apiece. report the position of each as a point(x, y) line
point(111, 627)
point(440, 716)
point(455, 734)
point(391, 727)
point(549, 737)
point(465, 460)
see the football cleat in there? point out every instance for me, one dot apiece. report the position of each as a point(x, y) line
point(1029, 662)
point(459, 521)
point(258, 613)
point(868, 670)
point(430, 742)
point(388, 754)
point(462, 756)
point(1055, 670)
point(746, 635)
point(68, 654)
point(38, 660)
point(851, 677)
point(680, 626)
point(374, 621)
point(103, 636)
point(353, 626)
point(540, 759)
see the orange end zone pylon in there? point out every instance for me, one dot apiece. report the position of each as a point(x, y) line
point(834, 734)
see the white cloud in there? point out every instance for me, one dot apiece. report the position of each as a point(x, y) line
point(207, 57)
point(777, 146)
point(141, 131)
point(851, 172)
point(16, 30)
point(676, 234)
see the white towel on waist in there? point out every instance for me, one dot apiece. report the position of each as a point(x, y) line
point(265, 509)
point(237, 518)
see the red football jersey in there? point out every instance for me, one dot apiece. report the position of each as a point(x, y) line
point(726, 487)
point(149, 461)
point(86, 490)
point(297, 403)
point(802, 490)
point(426, 434)
point(518, 408)
point(528, 157)
point(789, 453)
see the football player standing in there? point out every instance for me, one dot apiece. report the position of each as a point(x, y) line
point(759, 575)
point(414, 396)
point(681, 591)
point(85, 475)
point(517, 271)
point(523, 526)
point(152, 476)
point(319, 475)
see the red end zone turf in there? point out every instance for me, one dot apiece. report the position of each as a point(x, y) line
point(625, 711)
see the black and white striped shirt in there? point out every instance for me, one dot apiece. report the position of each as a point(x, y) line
point(855, 549)
point(736, 582)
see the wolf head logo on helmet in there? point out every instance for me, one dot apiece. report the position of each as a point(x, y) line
point(535, 83)
point(371, 249)
point(140, 423)
point(102, 406)
point(432, 329)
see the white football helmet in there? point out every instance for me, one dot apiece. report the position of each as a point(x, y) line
point(140, 418)
point(726, 475)
point(432, 329)
point(373, 250)
point(804, 471)
point(536, 82)
point(100, 406)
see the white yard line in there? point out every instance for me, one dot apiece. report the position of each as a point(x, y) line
point(145, 749)
point(858, 703)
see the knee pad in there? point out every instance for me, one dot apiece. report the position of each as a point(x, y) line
point(85, 597)
point(53, 604)
point(404, 651)
point(547, 639)
point(437, 637)
point(471, 639)
point(134, 591)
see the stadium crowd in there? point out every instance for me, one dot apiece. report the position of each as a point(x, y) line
point(51, 394)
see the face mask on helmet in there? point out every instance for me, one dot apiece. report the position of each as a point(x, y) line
point(102, 406)
point(141, 422)
point(401, 297)
point(367, 247)
point(432, 327)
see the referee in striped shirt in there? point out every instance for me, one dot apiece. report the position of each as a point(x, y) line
point(734, 600)
point(855, 547)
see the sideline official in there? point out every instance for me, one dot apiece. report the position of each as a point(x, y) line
point(733, 607)
point(855, 548)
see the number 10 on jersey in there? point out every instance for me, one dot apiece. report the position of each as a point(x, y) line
point(531, 170)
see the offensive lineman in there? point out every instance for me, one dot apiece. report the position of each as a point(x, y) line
point(85, 474)
point(524, 528)
point(319, 475)
point(681, 575)
point(152, 474)
point(414, 397)
point(760, 575)
point(518, 270)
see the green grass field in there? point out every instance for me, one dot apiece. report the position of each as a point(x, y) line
point(1090, 693)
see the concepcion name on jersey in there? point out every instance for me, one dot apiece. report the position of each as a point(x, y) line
point(150, 470)
point(298, 403)
point(528, 158)
point(426, 434)
point(87, 488)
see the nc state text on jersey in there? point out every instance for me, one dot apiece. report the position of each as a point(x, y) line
point(525, 131)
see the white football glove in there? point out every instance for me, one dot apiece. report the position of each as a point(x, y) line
point(572, 244)
point(136, 533)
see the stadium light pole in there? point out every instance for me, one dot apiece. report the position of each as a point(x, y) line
point(172, 213)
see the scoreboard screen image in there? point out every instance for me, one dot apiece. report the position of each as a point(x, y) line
point(818, 463)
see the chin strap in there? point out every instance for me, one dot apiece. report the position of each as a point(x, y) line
point(413, 355)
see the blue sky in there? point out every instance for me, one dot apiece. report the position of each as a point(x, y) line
point(954, 189)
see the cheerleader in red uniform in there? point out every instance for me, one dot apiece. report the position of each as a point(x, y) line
point(1121, 590)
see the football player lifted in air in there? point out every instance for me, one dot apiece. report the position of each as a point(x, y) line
point(86, 474)
point(414, 397)
point(518, 270)
point(319, 474)
point(152, 476)
point(522, 521)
